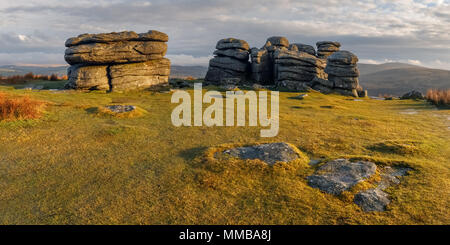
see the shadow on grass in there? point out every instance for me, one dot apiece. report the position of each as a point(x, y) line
point(192, 153)
point(92, 110)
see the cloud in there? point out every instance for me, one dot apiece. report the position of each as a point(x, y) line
point(373, 29)
point(189, 60)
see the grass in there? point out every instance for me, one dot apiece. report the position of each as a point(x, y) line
point(439, 97)
point(76, 167)
point(19, 108)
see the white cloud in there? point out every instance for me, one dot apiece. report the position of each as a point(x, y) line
point(414, 62)
point(186, 60)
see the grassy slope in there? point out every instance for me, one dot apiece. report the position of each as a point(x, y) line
point(75, 167)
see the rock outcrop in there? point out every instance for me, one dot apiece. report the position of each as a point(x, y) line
point(230, 62)
point(263, 68)
point(296, 70)
point(293, 67)
point(117, 61)
point(343, 73)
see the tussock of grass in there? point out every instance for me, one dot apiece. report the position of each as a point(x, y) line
point(439, 97)
point(18, 108)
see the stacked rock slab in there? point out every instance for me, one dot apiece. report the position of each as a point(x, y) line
point(296, 70)
point(305, 48)
point(117, 61)
point(230, 64)
point(263, 67)
point(327, 48)
point(343, 74)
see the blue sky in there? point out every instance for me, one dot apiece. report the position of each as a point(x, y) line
point(378, 31)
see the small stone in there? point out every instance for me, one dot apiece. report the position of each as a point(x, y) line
point(121, 108)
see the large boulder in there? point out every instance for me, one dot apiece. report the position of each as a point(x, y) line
point(232, 43)
point(87, 77)
point(151, 35)
point(343, 74)
point(305, 48)
point(230, 62)
point(115, 52)
point(327, 48)
point(270, 153)
point(117, 60)
point(239, 54)
point(295, 71)
point(138, 76)
point(278, 41)
point(340, 175)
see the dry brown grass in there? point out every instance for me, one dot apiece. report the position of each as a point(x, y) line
point(12, 108)
point(439, 97)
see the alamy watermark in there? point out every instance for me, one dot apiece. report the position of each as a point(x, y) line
point(235, 105)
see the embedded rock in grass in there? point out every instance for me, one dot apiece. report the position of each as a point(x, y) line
point(270, 153)
point(376, 199)
point(339, 175)
point(372, 200)
point(390, 176)
point(121, 108)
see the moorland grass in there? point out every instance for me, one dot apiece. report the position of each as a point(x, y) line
point(76, 167)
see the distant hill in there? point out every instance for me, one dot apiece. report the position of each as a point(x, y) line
point(188, 71)
point(388, 78)
point(10, 70)
point(399, 78)
point(372, 68)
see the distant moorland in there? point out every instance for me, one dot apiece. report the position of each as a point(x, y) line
point(389, 78)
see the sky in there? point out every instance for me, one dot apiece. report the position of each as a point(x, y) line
point(377, 31)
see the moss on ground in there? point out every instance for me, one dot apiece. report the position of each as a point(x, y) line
point(72, 167)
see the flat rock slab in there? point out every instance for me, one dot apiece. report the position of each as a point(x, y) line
point(339, 175)
point(376, 199)
point(270, 153)
point(390, 176)
point(372, 200)
point(121, 108)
